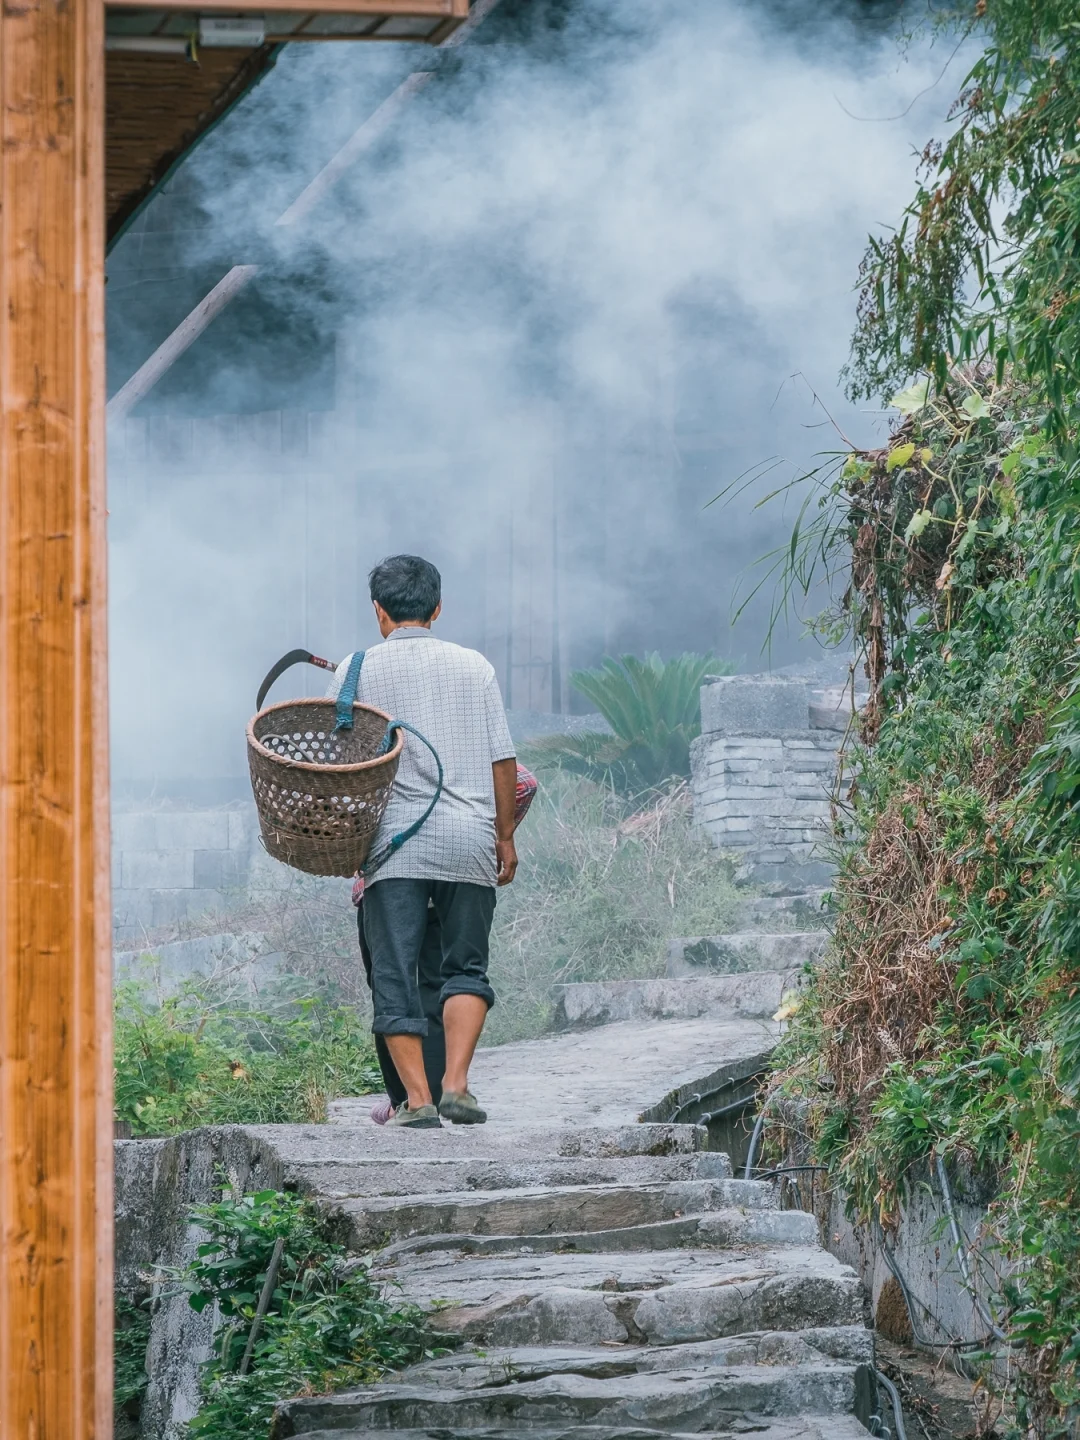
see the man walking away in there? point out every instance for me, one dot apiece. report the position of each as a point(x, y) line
point(456, 860)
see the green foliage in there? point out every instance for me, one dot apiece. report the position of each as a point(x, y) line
point(327, 1324)
point(131, 1336)
point(945, 1018)
point(985, 261)
point(962, 887)
point(599, 892)
point(197, 1058)
point(653, 707)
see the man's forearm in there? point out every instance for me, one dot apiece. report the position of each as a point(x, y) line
point(504, 774)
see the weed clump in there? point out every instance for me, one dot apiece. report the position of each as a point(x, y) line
point(327, 1324)
point(207, 1057)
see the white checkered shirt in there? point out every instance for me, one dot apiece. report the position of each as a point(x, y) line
point(452, 696)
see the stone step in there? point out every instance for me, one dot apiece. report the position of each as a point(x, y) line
point(354, 1135)
point(720, 1229)
point(800, 1427)
point(754, 994)
point(473, 1368)
point(671, 1297)
point(745, 951)
point(803, 911)
point(689, 1399)
point(381, 1220)
point(337, 1178)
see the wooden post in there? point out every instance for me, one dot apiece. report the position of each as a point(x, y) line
point(55, 981)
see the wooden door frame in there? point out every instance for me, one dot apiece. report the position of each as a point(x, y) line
point(56, 1293)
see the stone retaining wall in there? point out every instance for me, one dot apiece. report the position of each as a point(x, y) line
point(922, 1251)
point(157, 1183)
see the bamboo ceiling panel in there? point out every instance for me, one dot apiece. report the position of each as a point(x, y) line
point(165, 87)
point(156, 108)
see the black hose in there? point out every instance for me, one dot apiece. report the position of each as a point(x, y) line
point(698, 1096)
point(910, 1302)
point(897, 1408)
point(759, 1125)
point(736, 1105)
point(961, 1253)
point(959, 1345)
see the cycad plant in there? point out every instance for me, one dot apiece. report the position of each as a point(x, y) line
point(654, 709)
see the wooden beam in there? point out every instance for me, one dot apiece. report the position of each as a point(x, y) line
point(396, 9)
point(181, 339)
point(55, 921)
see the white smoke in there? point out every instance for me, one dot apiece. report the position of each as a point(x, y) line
point(567, 295)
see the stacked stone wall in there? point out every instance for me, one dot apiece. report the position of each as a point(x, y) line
point(763, 779)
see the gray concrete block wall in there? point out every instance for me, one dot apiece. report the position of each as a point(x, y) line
point(762, 780)
point(171, 865)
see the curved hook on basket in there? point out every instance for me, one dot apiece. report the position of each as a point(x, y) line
point(294, 657)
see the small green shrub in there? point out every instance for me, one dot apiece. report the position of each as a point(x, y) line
point(654, 709)
point(195, 1058)
point(327, 1323)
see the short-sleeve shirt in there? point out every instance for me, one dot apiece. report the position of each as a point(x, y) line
point(450, 694)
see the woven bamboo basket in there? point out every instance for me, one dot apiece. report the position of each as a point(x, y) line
point(320, 792)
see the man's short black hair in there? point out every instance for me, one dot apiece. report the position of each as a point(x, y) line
point(407, 587)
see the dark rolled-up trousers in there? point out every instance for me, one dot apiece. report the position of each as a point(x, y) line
point(400, 929)
point(429, 983)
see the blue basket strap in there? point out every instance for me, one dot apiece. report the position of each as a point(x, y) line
point(347, 693)
point(397, 841)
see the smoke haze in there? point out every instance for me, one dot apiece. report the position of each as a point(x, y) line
point(530, 335)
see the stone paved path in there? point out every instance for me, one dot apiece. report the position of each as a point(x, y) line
point(601, 1274)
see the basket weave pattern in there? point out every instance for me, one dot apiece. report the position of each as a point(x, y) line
point(320, 794)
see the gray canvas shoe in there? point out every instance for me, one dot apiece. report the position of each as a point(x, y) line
point(425, 1118)
point(461, 1108)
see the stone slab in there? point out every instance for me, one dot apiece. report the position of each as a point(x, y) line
point(481, 1279)
point(753, 705)
point(338, 1180)
point(380, 1220)
point(241, 956)
point(476, 1368)
point(611, 1075)
point(724, 1229)
point(587, 1004)
point(760, 1427)
point(806, 911)
point(689, 1399)
point(745, 952)
point(157, 869)
point(220, 869)
point(352, 1134)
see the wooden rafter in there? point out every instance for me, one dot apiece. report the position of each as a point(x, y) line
point(163, 97)
point(157, 108)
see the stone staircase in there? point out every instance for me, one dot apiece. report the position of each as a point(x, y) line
point(596, 1271)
